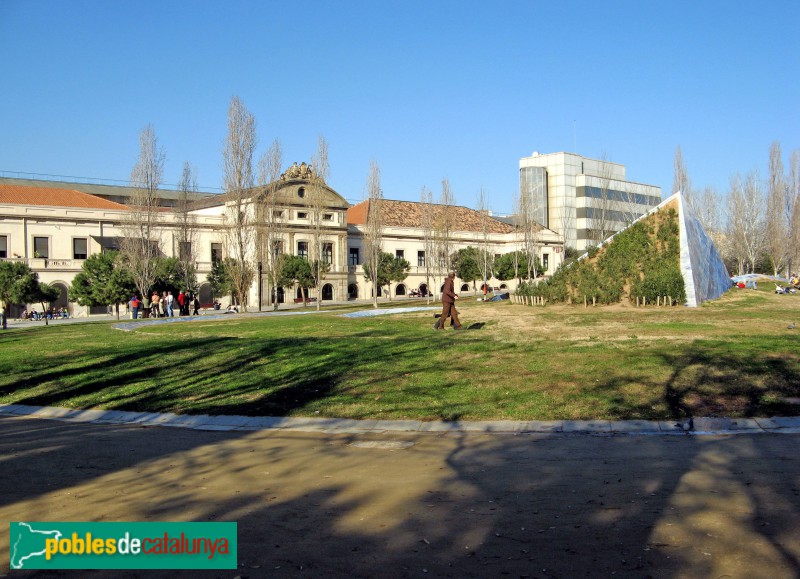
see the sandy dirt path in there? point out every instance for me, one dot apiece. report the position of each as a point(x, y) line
point(423, 505)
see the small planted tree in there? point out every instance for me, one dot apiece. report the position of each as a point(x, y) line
point(510, 266)
point(381, 275)
point(296, 271)
point(220, 279)
point(398, 271)
point(102, 281)
point(45, 294)
point(17, 284)
point(467, 264)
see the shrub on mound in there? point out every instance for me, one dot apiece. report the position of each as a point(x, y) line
point(642, 261)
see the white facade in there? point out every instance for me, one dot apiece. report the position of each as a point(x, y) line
point(57, 232)
point(585, 200)
point(403, 235)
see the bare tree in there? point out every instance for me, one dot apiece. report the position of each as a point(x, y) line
point(373, 230)
point(443, 228)
point(777, 224)
point(321, 170)
point(602, 205)
point(186, 227)
point(529, 228)
point(708, 210)
point(680, 179)
point(627, 207)
point(427, 222)
point(793, 209)
point(746, 224)
point(486, 259)
point(566, 221)
point(238, 184)
point(139, 247)
point(271, 220)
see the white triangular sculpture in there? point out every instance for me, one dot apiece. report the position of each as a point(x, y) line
point(705, 276)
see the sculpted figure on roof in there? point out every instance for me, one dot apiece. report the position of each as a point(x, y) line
point(301, 171)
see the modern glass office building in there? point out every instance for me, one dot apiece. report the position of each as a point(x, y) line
point(586, 200)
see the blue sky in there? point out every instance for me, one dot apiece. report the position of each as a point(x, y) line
point(429, 90)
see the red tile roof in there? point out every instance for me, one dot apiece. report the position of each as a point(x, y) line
point(409, 214)
point(50, 197)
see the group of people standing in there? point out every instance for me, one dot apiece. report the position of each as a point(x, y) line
point(164, 305)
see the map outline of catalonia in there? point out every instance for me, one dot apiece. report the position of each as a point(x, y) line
point(16, 563)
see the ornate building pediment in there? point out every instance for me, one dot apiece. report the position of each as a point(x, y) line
point(301, 171)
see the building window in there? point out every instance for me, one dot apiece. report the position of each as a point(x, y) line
point(327, 253)
point(80, 248)
point(302, 215)
point(353, 256)
point(216, 252)
point(184, 250)
point(302, 249)
point(301, 192)
point(3, 246)
point(41, 247)
point(421, 258)
point(399, 253)
point(545, 261)
point(277, 214)
point(277, 249)
point(327, 217)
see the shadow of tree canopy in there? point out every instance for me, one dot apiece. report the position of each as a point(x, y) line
point(705, 382)
point(315, 505)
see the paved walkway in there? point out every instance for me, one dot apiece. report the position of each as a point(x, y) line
point(697, 426)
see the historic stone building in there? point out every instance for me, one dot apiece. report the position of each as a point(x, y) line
point(54, 227)
point(404, 235)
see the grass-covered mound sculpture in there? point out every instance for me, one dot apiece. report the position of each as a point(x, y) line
point(642, 261)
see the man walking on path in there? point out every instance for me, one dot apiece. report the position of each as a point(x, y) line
point(449, 297)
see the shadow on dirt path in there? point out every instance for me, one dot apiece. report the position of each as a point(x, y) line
point(454, 505)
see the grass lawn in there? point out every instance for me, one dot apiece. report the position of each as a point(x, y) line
point(732, 357)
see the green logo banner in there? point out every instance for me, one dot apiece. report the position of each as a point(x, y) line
point(50, 545)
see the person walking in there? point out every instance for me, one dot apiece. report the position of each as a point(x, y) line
point(449, 297)
point(170, 313)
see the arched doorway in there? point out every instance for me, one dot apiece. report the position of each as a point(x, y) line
point(205, 294)
point(400, 290)
point(281, 296)
point(352, 291)
point(327, 292)
point(63, 298)
point(464, 287)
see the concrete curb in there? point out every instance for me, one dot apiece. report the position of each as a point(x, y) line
point(700, 426)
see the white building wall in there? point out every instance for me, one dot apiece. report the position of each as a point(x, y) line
point(566, 172)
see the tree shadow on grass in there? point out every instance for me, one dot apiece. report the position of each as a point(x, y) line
point(710, 383)
point(260, 377)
